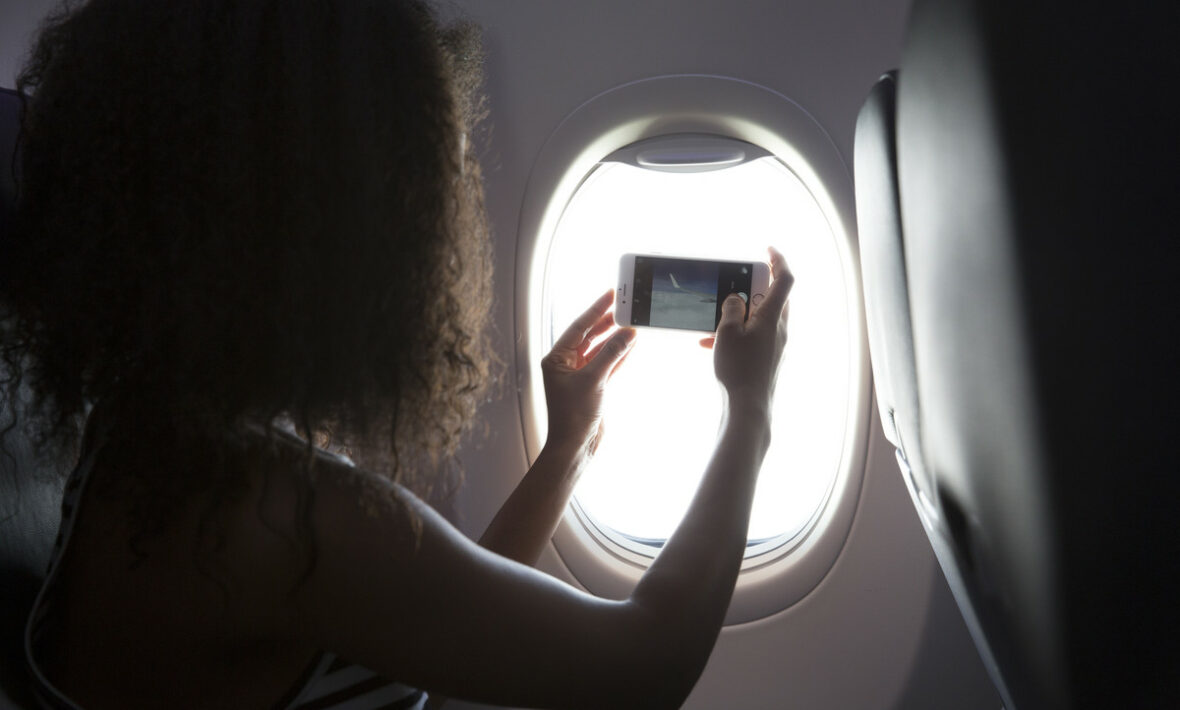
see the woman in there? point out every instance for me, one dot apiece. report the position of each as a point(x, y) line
point(240, 214)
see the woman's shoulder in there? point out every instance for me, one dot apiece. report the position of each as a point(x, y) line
point(297, 500)
point(298, 484)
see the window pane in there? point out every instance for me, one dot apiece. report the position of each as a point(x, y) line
point(663, 406)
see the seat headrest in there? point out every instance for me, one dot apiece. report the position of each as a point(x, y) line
point(10, 110)
point(29, 504)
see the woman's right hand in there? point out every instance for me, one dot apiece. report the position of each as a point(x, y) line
point(747, 351)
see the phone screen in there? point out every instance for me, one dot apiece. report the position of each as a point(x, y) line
point(685, 293)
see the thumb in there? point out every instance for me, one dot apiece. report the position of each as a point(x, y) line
point(733, 313)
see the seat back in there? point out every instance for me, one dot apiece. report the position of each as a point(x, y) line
point(30, 505)
point(1036, 154)
point(887, 304)
point(887, 315)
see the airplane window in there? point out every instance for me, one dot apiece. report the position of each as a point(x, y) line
point(663, 406)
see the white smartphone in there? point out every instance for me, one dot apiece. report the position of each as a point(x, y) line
point(682, 293)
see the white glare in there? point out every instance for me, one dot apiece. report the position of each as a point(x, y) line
point(663, 405)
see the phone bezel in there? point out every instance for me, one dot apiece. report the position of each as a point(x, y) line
point(759, 285)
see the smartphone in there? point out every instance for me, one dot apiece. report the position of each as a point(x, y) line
point(681, 293)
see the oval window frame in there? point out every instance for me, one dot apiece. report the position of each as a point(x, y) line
point(772, 579)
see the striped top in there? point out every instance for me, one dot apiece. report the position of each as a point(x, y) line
point(330, 683)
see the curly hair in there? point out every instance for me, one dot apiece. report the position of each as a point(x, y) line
point(239, 211)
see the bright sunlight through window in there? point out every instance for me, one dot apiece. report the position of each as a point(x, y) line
point(663, 406)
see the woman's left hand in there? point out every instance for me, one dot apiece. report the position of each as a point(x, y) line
point(576, 371)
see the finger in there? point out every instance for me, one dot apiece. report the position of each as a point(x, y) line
point(593, 351)
point(610, 353)
point(733, 314)
point(707, 343)
point(604, 324)
point(592, 347)
point(776, 256)
point(780, 287)
point(573, 335)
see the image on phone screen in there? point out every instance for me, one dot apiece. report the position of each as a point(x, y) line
point(685, 293)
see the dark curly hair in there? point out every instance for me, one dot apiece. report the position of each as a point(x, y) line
point(235, 212)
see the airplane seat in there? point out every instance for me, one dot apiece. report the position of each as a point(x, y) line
point(887, 307)
point(1036, 154)
point(30, 505)
point(887, 316)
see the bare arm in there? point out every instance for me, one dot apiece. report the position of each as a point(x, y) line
point(525, 523)
point(576, 373)
point(695, 573)
point(435, 610)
